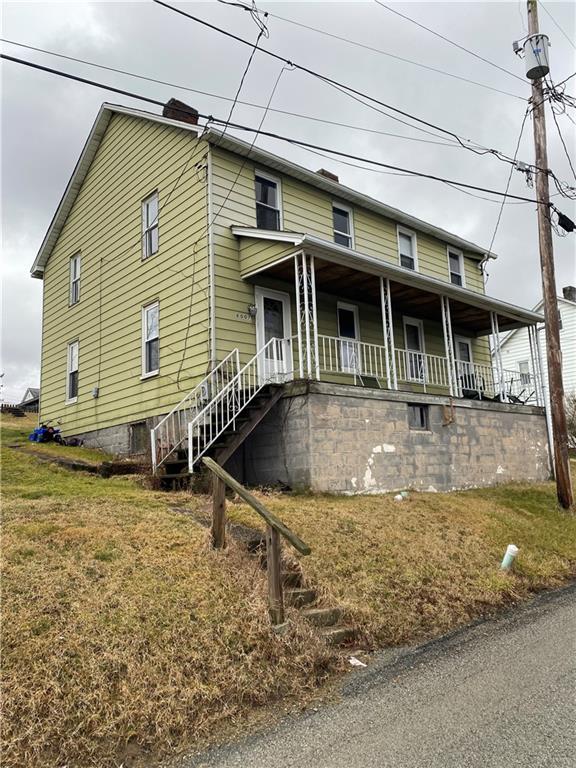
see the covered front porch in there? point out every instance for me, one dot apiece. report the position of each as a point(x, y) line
point(340, 316)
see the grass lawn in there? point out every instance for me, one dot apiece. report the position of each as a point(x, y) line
point(126, 638)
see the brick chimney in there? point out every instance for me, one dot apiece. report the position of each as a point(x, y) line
point(177, 110)
point(328, 175)
point(569, 293)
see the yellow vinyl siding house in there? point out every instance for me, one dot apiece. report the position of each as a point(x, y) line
point(197, 288)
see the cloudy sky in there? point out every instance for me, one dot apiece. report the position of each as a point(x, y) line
point(45, 119)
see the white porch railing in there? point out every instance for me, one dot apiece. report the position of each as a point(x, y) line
point(270, 365)
point(338, 355)
point(170, 433)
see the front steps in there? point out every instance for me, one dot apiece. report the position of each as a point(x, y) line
point(174, 473)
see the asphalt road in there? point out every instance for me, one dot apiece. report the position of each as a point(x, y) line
point(502, 693)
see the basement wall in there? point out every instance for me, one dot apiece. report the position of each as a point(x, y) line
point(342, 439)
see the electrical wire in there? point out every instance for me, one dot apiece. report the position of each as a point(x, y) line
point(447, 40)
point(464, 142)
point(371, 48)
point(339, 124)
point(564, 144)
point(556, 24)
point(280, 137)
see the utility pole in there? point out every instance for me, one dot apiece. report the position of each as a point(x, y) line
point(553, 353)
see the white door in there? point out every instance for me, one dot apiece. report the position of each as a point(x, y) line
point(465, 363)
point(349, 333)
point(414, 343)
point(273, 321)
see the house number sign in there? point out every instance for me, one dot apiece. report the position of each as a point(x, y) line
point(244, 316)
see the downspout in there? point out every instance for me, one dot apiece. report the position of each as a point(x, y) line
point(211, 267)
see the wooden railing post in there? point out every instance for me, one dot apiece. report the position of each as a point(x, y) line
point(218, 512)
point(273, 558)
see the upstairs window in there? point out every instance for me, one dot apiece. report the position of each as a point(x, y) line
point(342, 223)
point(150, 339)
point(72, 372)
point(407, 249)
point(75, 279)
point(267, 202)
point(456, 266)
point(150, 213)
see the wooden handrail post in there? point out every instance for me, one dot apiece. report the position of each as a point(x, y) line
point(273, 558)
point(218, 512)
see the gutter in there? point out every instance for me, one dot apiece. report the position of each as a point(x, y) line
point(211, 265)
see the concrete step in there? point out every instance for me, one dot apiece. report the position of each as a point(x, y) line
point(299, 597)
point(337, 635)
point(322, 617)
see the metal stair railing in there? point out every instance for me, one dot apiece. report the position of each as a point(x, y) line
point(172, 431)
point(268, 366)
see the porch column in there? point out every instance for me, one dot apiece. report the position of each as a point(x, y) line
point(497, 354)
point(449, 347)
point(388, 332)
point(299, 317)
point(314, 318)
point(533, 359)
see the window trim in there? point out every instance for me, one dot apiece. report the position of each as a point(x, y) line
point(276, 180)
point(400, 230)
point(460, 254)
point(144, 340)
point(76, 258)
point(350, 212)
point(145, 230)
point(74, 343)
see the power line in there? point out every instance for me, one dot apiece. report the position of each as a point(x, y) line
point(465, 143)
point(269, 134)
point(563, 144)
point(371, 48)
point(211, 95)
point(556, 24)
point(448, 40)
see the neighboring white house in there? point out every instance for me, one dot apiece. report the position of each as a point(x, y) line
point(515, 346)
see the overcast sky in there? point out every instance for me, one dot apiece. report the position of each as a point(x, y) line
point(45, 119)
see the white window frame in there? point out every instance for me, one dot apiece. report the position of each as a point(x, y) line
point(146, 228)
point(527, 372)
point(70, 370)
point(276, 180)
point(420, 323)
point(350, 212)
point(413, 236)
point(456, 252)
point(75, 261)
point(145, 309)
point(348, 343)
point(466, 340)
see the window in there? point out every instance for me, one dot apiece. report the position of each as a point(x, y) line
point(348, 331)
point(72, 372)
point(150, 214)
point(524, 369)
point(75, 279)
point(267, 202)
point(456, 266)
point(150, 339)
point(407, 249)
point(414, 359)
point(419, 417)
point(342, 223)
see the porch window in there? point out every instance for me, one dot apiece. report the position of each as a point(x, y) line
point(72, 372)
point(407, 249)
point(348, 331)
point(524, 369)
point(465, 364)
point(150, 339)
point(342, 223)
point(267, 202)
point(415, 360)
point(75, 279)
point(150, 215)
point(456, 266)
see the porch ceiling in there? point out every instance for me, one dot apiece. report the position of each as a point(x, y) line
point(351, 275)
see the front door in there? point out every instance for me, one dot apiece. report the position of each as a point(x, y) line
point(273, 322)
point(414, 341)
point(348, 332)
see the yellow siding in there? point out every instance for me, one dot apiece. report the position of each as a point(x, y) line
point(255, 254)
point(135, 158)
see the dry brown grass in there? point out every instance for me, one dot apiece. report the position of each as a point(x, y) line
point(125, 635)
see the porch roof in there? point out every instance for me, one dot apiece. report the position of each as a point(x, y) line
point(349, 274)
